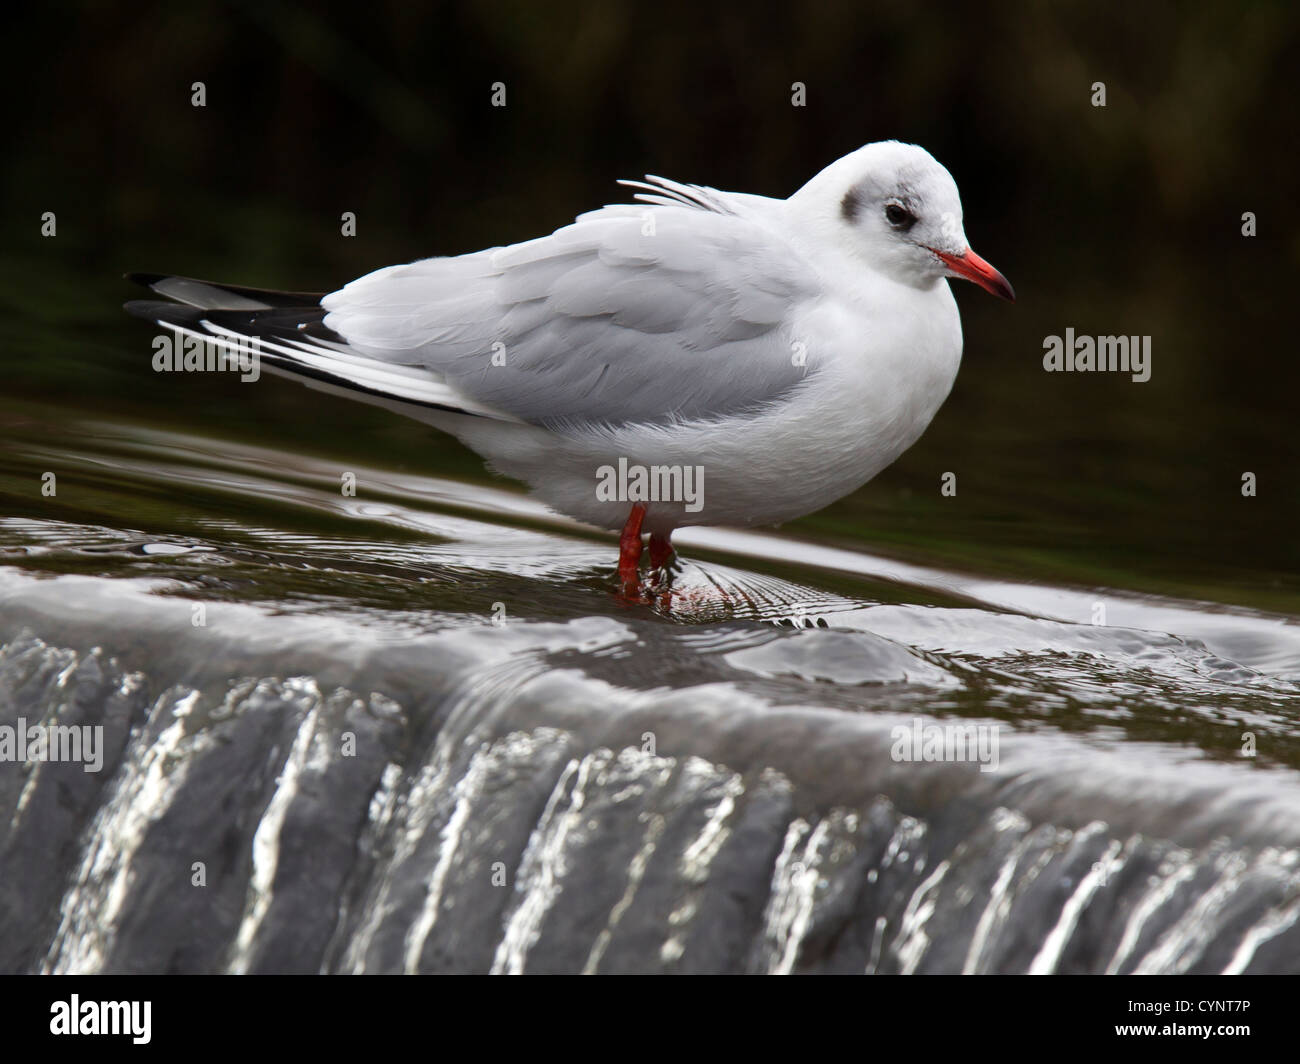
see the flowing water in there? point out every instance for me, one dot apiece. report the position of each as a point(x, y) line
point(416, 729)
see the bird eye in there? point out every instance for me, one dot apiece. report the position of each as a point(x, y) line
point(899, 217)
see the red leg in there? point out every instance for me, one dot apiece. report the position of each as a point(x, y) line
point(629, 547)
point(661, 549)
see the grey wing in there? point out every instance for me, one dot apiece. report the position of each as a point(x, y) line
point(631, 314)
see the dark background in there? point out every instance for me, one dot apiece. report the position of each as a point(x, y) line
point(1117, 220)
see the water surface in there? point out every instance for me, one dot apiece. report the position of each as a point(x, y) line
point(544, 776)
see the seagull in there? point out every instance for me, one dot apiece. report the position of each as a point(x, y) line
point(692, 357)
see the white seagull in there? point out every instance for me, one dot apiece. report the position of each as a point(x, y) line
point(699, 357)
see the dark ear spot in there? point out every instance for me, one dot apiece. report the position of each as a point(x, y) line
point(850, 205)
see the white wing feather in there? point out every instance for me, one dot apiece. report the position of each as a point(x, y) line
point(632, 313)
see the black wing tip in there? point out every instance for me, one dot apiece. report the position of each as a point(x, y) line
point(147, 308)
point(161, 311)
point(273, 323)
point(274, 297)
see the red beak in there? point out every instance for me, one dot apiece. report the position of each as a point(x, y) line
point(974, 268)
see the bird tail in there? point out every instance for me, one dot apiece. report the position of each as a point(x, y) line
point(286, 333)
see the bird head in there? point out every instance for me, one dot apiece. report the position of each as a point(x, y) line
point(893, 206)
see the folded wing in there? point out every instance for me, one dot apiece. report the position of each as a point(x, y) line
point(675, 309)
